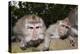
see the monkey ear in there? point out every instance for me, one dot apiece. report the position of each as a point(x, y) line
point(66, 20)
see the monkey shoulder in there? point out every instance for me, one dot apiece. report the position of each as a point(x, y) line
point(52, 28)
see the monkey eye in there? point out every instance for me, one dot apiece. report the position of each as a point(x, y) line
point(65, 26)
point(51, 35)
point(37, 27)
point(30, 27)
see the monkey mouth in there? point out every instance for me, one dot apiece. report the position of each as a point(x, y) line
point(64, 36)
point(34, 43)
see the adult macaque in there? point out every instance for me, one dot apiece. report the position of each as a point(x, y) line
point(67, 28)
point(30, 30)
point(60, 30)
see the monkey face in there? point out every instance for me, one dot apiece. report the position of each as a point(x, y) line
point(34, 31)
point(63, 28)
point(31, 29)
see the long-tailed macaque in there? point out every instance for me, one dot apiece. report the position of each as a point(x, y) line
point(60, 30)
point(30, 30)
point(67, 28)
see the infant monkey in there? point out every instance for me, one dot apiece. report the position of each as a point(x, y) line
point(30, 30)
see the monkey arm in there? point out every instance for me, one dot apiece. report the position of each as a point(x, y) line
point(73, 30)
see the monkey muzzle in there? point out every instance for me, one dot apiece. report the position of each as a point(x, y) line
point(64, 36)
point(34, 43)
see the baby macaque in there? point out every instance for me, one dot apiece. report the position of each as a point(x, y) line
point(30, 30)
point(60, 30)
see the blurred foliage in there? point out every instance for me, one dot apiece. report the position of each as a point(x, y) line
point(50, 13)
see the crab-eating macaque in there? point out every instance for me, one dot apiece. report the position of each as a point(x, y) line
point(63, 29)
point(60, 30)
point(30, 30)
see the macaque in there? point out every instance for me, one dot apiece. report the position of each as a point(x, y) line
point(30, 30)
point(63, 30)
point(60, 30)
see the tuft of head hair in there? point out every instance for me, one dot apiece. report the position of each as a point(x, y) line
point(33, 19)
